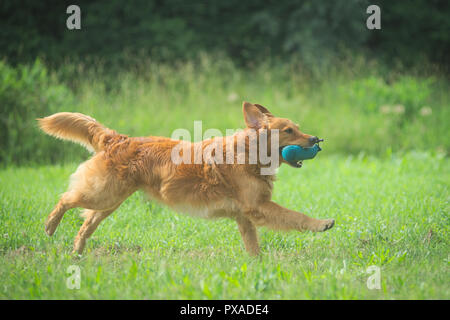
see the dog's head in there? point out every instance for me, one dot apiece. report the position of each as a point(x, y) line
point(258, 117)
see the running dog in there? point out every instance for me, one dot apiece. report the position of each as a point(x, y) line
point(122, 165)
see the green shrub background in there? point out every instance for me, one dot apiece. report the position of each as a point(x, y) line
point(247, 31)
point(149, 67)
point(368, 113)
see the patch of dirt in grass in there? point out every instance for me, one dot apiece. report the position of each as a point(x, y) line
point(115, 249)
point(19, 252)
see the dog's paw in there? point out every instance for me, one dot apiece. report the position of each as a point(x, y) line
point(49, 229)
point(326, 224)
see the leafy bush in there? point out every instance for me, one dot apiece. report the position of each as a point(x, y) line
point(178, 29)
point(244, 30)
point(367, 111)
point(26, 93)
point(406, 95)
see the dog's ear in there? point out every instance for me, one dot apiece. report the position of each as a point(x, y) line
point(253, 116)
point(264, 110)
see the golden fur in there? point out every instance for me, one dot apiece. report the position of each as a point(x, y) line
point(122, 165)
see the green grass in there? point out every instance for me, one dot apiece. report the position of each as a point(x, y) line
point(390, 211)
point(389, 201)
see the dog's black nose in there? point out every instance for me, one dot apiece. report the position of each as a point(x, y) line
point(314, 140)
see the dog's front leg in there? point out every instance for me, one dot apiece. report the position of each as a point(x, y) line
point(249, 235)
point(275, 216)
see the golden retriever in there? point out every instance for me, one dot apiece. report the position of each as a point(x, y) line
point(122, 165)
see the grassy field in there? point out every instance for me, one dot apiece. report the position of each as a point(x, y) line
point(390, 211)
point(389, 201)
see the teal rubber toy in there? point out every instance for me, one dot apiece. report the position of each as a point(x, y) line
point(294, 153)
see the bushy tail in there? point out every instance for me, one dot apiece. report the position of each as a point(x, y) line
point(77, 127)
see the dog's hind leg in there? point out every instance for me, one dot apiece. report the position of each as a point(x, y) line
point(92, 186)
point(93, 219)
point(67, 201)
point(249, 235)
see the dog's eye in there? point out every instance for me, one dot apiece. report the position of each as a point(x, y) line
point(289, 130)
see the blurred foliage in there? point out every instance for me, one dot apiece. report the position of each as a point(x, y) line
point(413, 30)
point(373, 94)
point(371, 112)
point(26, 93)
point(142, 66)
point(247, 31)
